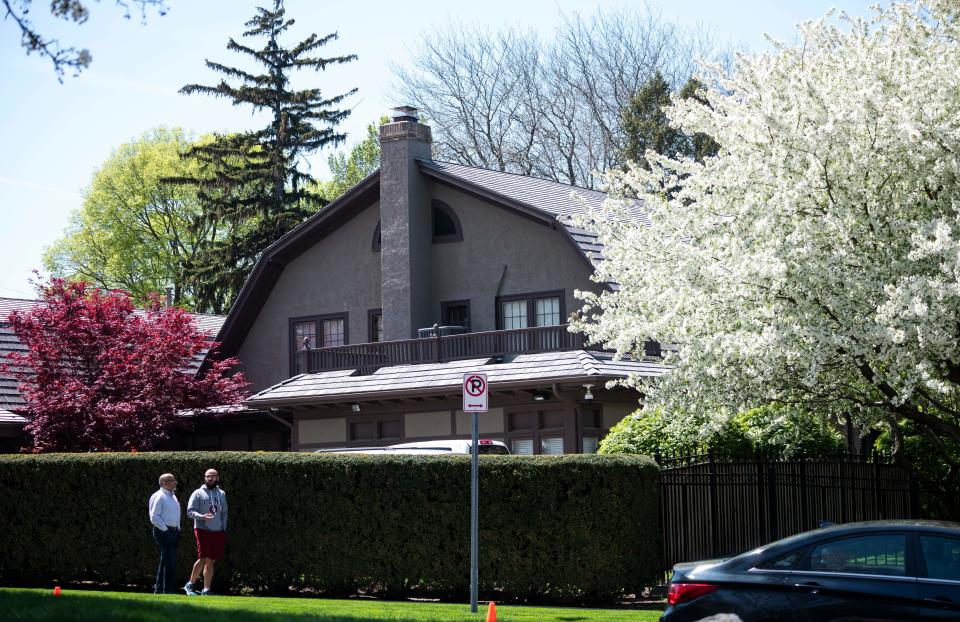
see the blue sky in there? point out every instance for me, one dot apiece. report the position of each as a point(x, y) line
point(55, 135)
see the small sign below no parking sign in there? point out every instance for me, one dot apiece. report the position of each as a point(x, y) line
point(475, 390)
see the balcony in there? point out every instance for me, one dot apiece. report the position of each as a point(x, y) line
point(367, 358)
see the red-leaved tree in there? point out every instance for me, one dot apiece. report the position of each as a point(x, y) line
point(98, 375)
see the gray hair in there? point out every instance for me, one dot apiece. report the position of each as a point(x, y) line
point(165, 477)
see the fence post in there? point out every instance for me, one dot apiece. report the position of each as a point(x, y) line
point(763, 527)
point(438, 356)
point(772, 501)
point(665, 542)
point(843, 491)
point(714, 510)
point(803, 491)
point(878, 506)
point(914, 495)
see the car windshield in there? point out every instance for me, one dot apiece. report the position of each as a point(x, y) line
point(499, 450)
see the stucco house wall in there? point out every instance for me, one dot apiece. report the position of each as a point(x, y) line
point(501, 249)
point(339, 274)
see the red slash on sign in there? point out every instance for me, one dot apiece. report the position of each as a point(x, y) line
point(475, 393)
point(475, 385)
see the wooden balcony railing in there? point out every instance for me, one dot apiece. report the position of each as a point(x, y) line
point(369, 357)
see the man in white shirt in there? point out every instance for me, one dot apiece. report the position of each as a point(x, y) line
point(164, 512)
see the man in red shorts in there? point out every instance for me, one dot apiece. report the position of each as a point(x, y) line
point(208, 509)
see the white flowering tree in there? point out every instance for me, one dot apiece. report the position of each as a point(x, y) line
point(816, 259)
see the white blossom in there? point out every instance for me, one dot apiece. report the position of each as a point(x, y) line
point(816, 258)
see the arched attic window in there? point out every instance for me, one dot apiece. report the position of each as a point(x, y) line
point(446, 225)
point(444, 222)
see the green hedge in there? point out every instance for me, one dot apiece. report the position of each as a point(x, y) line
point(552, 529)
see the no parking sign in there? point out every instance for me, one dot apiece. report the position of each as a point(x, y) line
point(475, 392)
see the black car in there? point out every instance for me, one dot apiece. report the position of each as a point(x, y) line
point(873, 571)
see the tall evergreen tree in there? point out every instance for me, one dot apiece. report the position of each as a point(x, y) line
point(349, 169)
point(645, 124)
point(700, 145)
point(251, 181)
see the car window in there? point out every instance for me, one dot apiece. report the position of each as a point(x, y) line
point(942, 556)
point(497, 450)
point(784, 562)
point(882, 554)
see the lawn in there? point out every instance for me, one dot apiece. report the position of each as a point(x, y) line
point(23, 604)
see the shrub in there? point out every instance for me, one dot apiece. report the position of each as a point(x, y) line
point(552, 529)
point(939, 480)
point(772, 430)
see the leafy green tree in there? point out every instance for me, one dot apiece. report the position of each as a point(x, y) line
point(349, 170)
point(253, 180)
point(135, 232)
point(936, 461)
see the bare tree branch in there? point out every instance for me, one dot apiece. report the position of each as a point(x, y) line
point(64, 58)
point(510, 101)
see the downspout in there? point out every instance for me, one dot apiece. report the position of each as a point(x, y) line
point(496, 304)
point(503, 275)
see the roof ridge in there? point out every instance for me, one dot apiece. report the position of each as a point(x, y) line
point(521, 175)
point(589, 362)
point(136, 309)
point(21, 299)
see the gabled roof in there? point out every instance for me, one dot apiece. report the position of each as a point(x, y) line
point(9, 343)
point(548, 202)
point(275, 258)
point(525, 370)
point(547, 197)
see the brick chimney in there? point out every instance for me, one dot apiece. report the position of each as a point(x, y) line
point(405, 225)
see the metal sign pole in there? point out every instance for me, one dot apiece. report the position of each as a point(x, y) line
point(475, 401)
point(474, 512)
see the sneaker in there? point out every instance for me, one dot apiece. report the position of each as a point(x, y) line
point(189, 589)
point(206, 592)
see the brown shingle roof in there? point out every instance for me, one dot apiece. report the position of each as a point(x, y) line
point(524, 369)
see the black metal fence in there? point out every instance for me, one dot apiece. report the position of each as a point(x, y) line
point(715, 507)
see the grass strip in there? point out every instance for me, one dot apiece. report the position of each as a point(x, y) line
point(88, 606)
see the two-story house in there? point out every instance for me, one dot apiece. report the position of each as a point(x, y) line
point(357, 326)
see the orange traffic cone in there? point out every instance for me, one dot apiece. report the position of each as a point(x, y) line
point(492, 612)
point(56, 591)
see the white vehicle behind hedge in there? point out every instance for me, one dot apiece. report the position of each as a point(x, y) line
point(426, 448)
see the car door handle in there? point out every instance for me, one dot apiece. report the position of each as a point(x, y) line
point(811, 586)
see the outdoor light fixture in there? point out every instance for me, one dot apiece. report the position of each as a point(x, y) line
point(540, 396)
point(588, 395)
point(355, 407)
